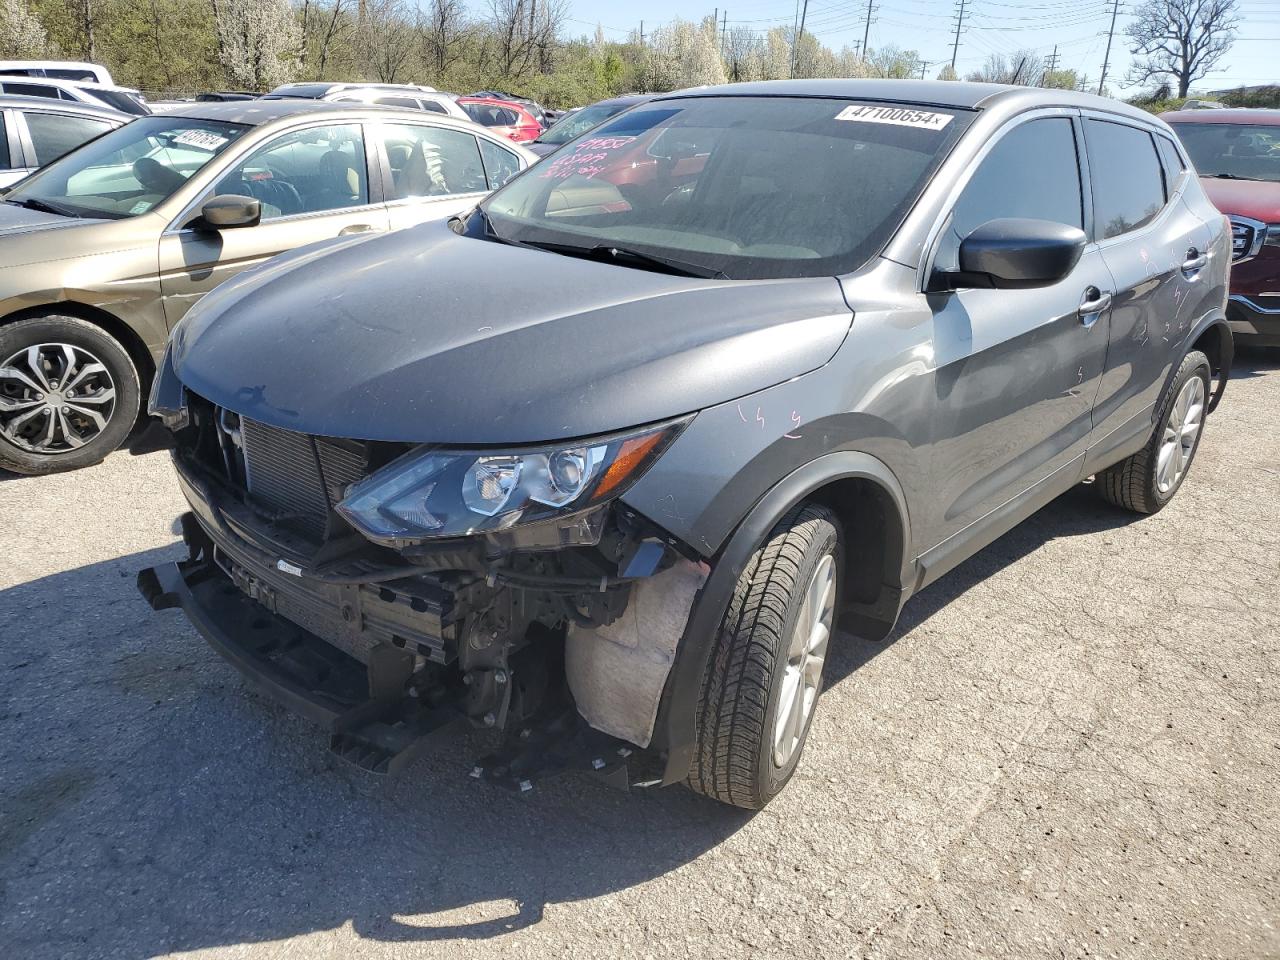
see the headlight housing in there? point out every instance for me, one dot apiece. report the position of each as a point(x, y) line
point(436, 492)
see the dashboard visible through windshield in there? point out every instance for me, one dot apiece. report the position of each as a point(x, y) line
point(741, 187)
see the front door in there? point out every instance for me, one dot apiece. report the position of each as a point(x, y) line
point(312, 184)
point(1016, 370)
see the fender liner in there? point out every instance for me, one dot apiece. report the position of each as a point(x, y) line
point(675, 728)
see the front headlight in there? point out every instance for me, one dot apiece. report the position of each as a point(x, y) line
point(437, 492)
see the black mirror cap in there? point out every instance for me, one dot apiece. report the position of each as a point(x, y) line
point(1018, 253)
point(228, 211)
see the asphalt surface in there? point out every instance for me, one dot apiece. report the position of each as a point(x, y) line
point(1070, 747)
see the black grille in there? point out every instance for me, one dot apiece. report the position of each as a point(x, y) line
point(296, 476)
point(1244, 237)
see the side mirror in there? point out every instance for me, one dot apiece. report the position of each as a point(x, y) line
point(1018, 253)
point(228, 211)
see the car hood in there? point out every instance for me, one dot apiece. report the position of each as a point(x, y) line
point(1259, 199)
point(424, 335)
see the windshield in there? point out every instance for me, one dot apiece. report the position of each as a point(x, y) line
point(745, 187)
point(579, 123)
point(1243, 151)
point(130, 170)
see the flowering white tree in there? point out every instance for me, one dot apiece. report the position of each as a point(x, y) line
point(684, 55)
point(258, 41)
point(21, 33)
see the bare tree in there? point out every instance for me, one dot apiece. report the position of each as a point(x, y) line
point(21, 33)
point(1180, 40)
point(443, 30)
point(742, 54)
point(323, 28)
point(1022, 68)
point(388, 37)
point(525, 33)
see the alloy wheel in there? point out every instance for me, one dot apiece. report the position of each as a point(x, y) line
point(806, 654)
point(1181, 430)
point(54, 398)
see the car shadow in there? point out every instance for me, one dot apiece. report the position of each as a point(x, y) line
point(1251, 362)
point(150, 803)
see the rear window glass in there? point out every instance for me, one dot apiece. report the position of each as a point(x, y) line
point(1127, 178)
point(491, 116)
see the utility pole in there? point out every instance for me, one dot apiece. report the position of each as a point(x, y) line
point(866, 31)
point(642, 33)
point(1050, 66)
point(1106, 60)
point(795, 22)
point(955, 46)
point(724, 33)
point(924, 65)
point(795, 52)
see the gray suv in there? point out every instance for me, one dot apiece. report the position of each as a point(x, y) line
point(764, 360)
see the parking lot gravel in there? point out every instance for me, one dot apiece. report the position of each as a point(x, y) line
point(1069, 747)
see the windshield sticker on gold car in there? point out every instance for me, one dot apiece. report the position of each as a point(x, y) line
point(896, 116)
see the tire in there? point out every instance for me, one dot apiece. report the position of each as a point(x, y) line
point(95, 414)
point(753, 663)
point(1147, 480)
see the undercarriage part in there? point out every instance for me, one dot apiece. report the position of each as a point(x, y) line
point(617, 671)
point(558, 743)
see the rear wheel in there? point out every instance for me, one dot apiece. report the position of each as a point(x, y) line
point(1146, 481)
point(69, 394)
point(765, 673)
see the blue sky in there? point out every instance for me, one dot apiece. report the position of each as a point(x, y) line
point(1078, 27)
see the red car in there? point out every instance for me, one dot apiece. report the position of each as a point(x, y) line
point(502, 116)
point(1237, 154)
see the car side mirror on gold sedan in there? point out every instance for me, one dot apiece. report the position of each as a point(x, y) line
point(228, 211)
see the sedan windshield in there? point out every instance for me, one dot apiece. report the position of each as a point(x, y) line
point(129, 171)
point(578, 123)
point(741, 187)
point(1233, 151)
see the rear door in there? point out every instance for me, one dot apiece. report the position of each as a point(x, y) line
point(1016, 370)
point(49, 134)
point(431, 172)
point(313, 184)
point(1155, 249)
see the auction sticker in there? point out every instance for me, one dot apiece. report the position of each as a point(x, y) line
point(896, 116)
point(202, 139)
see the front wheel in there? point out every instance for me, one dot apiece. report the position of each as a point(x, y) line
point(765, 673)
point(1146, 481)
point(69, 394)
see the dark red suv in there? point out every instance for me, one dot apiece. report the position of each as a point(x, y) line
point(1237, 154)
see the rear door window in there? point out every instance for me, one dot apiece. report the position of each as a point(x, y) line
point(1172, 164)
point(432, 161)
point(1032, 172)
point(53, 134)
point(501, 165)
point(1127, 177)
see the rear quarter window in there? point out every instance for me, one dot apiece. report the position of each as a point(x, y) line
point(1171, 162)
point(1127, 177)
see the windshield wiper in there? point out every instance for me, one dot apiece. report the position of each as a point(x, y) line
point(1232, 176)
point(612, 254)
point(35, 203)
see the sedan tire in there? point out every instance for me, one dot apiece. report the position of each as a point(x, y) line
point(69, 395)
point(765, 672)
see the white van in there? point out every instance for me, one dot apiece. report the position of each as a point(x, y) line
point(58, 70)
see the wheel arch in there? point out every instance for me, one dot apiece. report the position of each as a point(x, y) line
point(867, 497)
point(109, 323)
point(1212, 336)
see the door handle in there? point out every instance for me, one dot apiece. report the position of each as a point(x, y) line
point(356, 228)
point(1095, 301)
point(1194, 263)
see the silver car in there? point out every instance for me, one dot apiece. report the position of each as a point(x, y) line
point(34, 131)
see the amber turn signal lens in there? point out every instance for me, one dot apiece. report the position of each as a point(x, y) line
point(633, 454)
